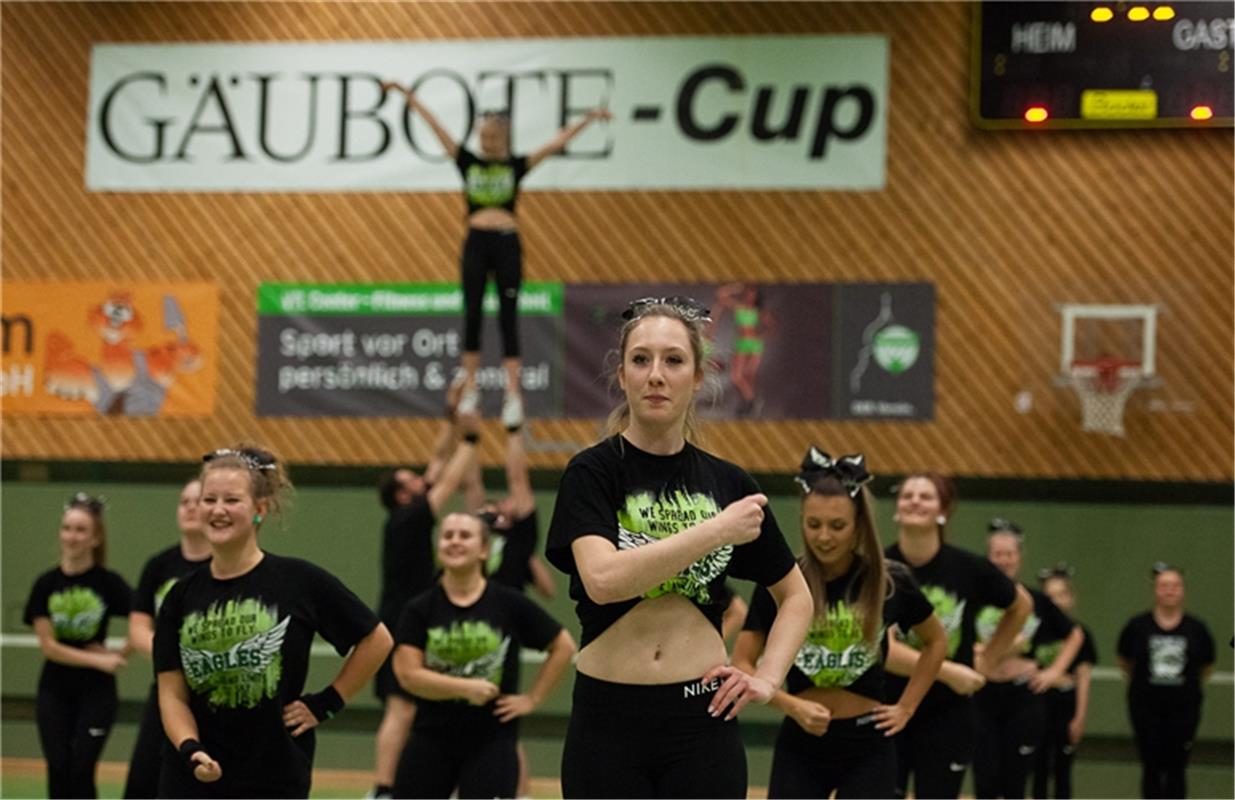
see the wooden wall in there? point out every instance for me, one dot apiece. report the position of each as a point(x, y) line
point(1005, 225)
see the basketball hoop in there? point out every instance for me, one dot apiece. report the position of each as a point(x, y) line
point(1104, 384)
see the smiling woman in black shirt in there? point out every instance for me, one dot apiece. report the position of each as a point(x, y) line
point(232, 640)
point(937, 745)
point(836, 728)
point(69, 607)
point(458, 653)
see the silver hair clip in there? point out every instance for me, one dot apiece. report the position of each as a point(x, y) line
point(690, 308)
point(1002, 525)
point(253, 459)
point(95, 503)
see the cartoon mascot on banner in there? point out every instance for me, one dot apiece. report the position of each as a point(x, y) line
point(125, 379)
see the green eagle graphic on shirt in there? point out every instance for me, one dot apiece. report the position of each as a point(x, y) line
point(1045, 654)
point(951, 612)
point(834, 652)
point(491, 185)
point(1168, 660)
point(76, 614)
point(647, 519)
point(232, 652)
point(497, 548)
point(160, 594)
point(988, 620)
point(467, 649)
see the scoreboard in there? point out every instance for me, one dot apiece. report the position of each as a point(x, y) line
point(1103, 65)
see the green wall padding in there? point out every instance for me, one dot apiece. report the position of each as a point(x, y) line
point(1112, 546)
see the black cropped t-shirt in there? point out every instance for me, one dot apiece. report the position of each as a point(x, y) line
point(632, 498)
point(490, 184)
point(835, 653)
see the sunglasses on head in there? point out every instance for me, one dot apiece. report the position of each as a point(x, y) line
point(1160, 567)
point(690, 308)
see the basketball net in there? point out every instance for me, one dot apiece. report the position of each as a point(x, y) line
point(1104, 388)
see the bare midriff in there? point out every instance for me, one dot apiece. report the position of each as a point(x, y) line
point(843, 703)
point(662, 640)
point(493, 219)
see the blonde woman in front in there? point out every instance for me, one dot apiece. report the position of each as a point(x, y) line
point(648, 525)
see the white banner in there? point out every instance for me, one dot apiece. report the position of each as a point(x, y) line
point(784, 112)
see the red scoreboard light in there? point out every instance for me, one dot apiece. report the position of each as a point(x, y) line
point(1103, 65)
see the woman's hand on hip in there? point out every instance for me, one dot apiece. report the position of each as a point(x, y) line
point(298, 717)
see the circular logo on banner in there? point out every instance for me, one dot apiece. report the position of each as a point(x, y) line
point(896, 348)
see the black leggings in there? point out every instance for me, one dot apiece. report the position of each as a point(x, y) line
point(498, 252)
point(143, 779)
point(75, 715)
point(853, 757)
point(285, 774)
point(1164, 734)
point(478, 760)
point(936, 747)
point(629, 740)
point(1009, 729)
point(1055, 751)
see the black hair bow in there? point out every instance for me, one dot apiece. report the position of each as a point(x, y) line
point(1061, 570)
point(850, 470)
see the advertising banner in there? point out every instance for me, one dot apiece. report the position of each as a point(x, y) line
point(391, 350)
point(767, 346)
point(715, 112)
point(884, 352)
point(128, 349)
point(774, 351)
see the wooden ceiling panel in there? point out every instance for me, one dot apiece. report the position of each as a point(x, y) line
point(1006, 225)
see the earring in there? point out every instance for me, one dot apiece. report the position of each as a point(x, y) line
point(896, 517)
point(257, 519)
point(941, 520)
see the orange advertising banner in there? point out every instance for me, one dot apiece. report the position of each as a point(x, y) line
point(117, 349)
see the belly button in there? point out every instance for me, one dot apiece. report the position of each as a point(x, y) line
point(656, 655)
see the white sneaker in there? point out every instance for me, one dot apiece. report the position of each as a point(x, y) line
point(512, 412)
point(469, 403)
